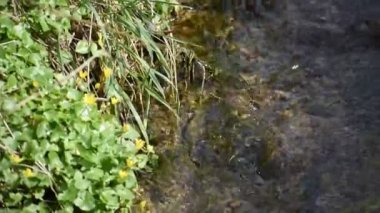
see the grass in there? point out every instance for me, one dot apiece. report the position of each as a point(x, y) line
point(77, 80)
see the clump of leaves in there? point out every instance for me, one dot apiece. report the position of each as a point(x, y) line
point(62, 147)
point(58, 149)
point(65, 152)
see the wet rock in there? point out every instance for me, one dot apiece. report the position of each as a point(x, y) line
point(234, 204)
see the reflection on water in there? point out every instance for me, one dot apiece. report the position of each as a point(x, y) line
point(291, 124)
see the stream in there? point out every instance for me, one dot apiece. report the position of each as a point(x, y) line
point(289, 120)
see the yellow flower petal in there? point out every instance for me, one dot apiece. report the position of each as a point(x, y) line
point(123, 174)
point(114, 100)
point(97, 85)
point(107, 72)
point(126, 127)
point(35, 84)
point(16, 159)
point(142, 205)
point(100, 40)
point(83, 74)
point(130, 163)
point(28, 173)
point(139, 144)
point(89, 99)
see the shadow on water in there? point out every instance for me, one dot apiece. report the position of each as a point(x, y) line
point(289, 124)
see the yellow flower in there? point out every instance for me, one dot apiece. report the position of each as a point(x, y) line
point(16, 159)
point(126, 127)
point(97, 85)
point(28, 173)
point(114, 100)
point(123, 174)
point(89, 99)
point(142, 205)
point(83, 74)
point(107, 72)
point(130, 163)
point(35, 84)
point(139, 144)
point(100, 40)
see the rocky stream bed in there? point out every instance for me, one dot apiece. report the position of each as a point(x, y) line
point(292, 121)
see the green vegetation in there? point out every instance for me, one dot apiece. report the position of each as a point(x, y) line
point(70, 71)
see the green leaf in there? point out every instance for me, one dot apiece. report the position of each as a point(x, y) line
point(124, 193)
point(43, 180)
point(66, 209)
point(50, 115)
point(142, 160)
point(94, 174)
point(44, 26)
point(10, 177)
point(61, 2)
point(131, 134)
point(65, 57)
point(108, 197)
point(53, 147)
point(88, 155)
point(31, 209)
point(34, 58)
point(4, 164)
point(15, 198)
point(84, 113)
point(69, 194)
point(131, 180)
point(30, 148)
point(73, 94)
point(80, 127)
point(79, 182)
point(93, 48)
point(11, 142)
point(6, 22)
point(39, 193)
point(85, 201)
point(11, 82)
point(54, 161)
point(30, 182)
point(82, 47)
point(130, 147)
point(69, 157)
point(9, 105)
point(42, 129)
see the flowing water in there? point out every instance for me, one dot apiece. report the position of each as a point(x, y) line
point(289, 120)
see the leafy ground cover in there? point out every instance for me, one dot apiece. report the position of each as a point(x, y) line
point(77, 79)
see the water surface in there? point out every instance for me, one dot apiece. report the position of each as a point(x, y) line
point(290, 124)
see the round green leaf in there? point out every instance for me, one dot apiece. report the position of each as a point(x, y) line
point(42, 129)
point(79, 182)
point(82, 47)
point(85, 201)
point(69, 194)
